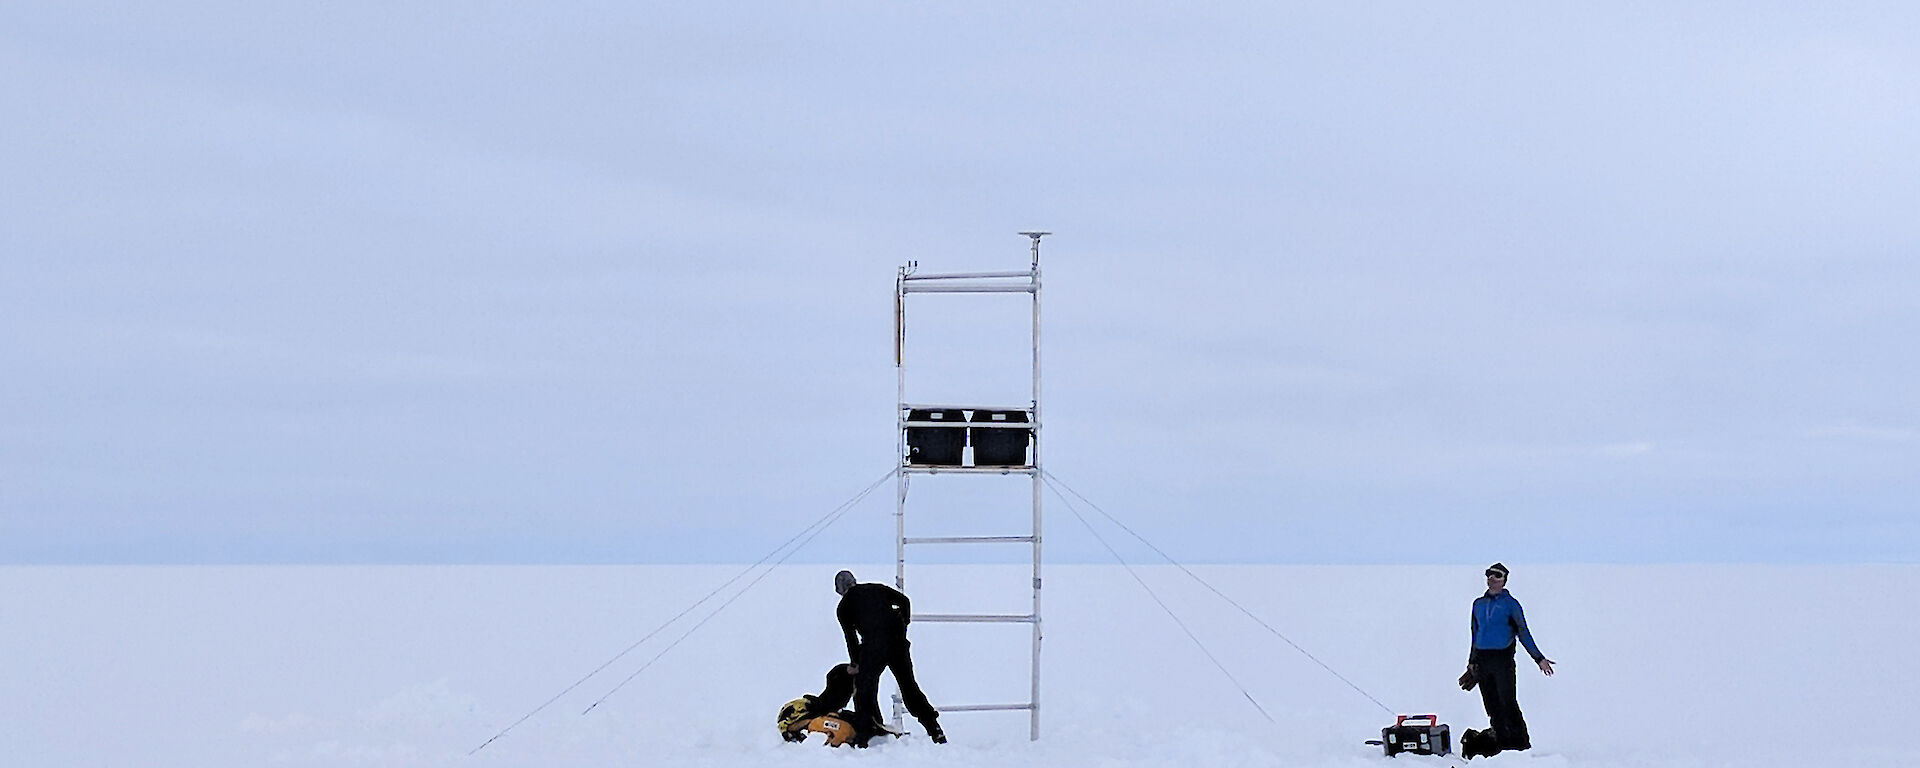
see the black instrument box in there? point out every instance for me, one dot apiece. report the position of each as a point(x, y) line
point(1418, 734)
point(937, 446)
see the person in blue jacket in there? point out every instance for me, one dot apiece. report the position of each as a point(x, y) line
point(1497, 623)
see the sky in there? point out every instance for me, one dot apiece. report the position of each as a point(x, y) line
point(577, 283)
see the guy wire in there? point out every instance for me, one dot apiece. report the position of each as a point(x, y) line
point(1163, 606)
point(1052, 480)
point(689, 609)
point(743, 590)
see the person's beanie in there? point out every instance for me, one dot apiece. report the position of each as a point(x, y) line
point(1499, 569)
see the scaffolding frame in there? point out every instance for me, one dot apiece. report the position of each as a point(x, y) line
point(909, 282)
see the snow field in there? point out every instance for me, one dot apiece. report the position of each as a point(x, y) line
point(415, 666)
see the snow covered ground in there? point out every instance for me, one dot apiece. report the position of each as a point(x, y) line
point(218, 667)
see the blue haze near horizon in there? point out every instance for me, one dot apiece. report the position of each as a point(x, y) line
point(1404, 283)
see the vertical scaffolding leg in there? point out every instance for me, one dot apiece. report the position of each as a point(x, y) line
point(900, 456)
point(1033, 699)
point(900, 432)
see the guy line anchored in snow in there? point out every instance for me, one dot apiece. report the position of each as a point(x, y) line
point(817, 527)
point(844, 508)
point(1163, 606)
point(1056, 484)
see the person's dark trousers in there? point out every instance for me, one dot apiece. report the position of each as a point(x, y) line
point(889, 653)
point(1497, 692)
point(838, 692)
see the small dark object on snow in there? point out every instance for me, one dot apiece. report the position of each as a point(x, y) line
point(1480, 743)
point(1430, 737)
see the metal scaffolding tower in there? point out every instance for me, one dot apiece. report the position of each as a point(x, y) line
point(932, 439)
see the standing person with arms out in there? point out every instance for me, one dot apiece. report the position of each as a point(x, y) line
point(1497, 623)
point(874, 618)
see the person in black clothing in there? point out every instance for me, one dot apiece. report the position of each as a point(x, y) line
point(797, 716)
point(874, 618)
point(838, 692)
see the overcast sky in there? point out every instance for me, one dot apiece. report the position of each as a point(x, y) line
point(1347, 282)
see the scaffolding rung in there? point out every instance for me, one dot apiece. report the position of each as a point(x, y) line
point(911, 288)
point(932, 407)
point(975, 618)
point(974, 424)
point(966, 539)
point(967, 275)
point(945, 708)
point(933, 470)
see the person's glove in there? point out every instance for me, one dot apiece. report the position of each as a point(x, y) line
point(1470, 678)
